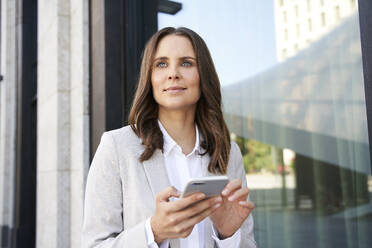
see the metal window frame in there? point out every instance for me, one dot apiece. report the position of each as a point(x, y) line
point(365, 23)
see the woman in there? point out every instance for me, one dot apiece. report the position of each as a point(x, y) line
point(176, 132)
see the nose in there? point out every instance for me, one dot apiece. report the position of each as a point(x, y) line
point(173, 73)
point(170, 77)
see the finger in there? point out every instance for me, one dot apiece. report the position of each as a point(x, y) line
point(182, 215)
point(187, 232)
point(200, 207)
point(247, 204)
point(163, 196)
point(241, 193)
point(187, 201)
point(190, 222)
point(232, 186)
point(181, 232)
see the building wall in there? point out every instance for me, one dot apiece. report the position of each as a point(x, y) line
point(63, 109)
point(63, 121)
point(8, 113)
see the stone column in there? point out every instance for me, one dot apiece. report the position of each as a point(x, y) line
point(80, 116)
point(8, 117)
point(63, 121)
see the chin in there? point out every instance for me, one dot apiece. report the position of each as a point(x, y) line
point(178, 106)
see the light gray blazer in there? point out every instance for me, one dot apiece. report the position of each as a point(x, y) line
point(120, 193)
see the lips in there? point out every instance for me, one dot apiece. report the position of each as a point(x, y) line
point(175, 89)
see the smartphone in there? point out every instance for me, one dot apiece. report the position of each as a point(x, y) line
point(210, 186)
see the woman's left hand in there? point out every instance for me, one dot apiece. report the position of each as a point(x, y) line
point(235, 208)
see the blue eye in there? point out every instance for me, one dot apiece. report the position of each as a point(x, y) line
point(186, 63)
point(161, 64)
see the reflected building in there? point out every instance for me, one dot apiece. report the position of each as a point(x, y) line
point(298, 23)
point(314, 104)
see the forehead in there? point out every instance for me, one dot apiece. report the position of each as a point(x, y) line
point(174, 46)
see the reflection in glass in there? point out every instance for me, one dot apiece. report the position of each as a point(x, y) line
point(293, 95)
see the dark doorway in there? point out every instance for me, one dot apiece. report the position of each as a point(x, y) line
point(119, 30)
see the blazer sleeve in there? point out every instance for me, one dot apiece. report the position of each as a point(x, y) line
point(247, 236)
point(103, 207)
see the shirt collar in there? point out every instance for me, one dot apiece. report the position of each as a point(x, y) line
point(169, 143)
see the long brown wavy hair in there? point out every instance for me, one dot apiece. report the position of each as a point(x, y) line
point(143, 117)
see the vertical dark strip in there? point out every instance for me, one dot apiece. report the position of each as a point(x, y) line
point(141, 23)
point(365, 20)
point(113, 63)
point(119, 30)
point(25, 213)
point(97, 71)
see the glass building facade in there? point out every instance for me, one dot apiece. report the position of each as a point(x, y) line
point(294, 100)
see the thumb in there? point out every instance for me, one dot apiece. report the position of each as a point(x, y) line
point(164, 195)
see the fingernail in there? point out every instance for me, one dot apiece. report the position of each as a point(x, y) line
point(225, 191)
point(219, 199)
point(217, 205)
point(231, 198)
point(201, 196)
point(242, 203)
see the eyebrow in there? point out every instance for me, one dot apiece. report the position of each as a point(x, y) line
point(181, 58)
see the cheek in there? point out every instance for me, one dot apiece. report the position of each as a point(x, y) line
point(155, 82)
point(196, 83)
point(196, 90)
point(155, 88)
point(158, 78)
point(199, 91)
point(192, 78)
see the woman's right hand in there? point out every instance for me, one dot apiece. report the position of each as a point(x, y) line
point(176, 219)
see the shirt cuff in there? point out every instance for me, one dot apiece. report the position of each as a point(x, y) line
point(231, 242)
point(150, 237)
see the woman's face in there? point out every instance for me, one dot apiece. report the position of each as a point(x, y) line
point(175, 78)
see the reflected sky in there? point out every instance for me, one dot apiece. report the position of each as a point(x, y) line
point(240, 34)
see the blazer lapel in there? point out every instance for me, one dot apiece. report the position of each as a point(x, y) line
point(156, 173)
point(158, 179)
point(209, 241)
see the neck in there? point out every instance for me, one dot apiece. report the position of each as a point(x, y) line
point(180, 125)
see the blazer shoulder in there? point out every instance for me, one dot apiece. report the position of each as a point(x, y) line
point(125, 131)
point(235, 160)
point(125, 138)
point(234, 150)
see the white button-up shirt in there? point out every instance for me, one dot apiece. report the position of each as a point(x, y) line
point(180, 169)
